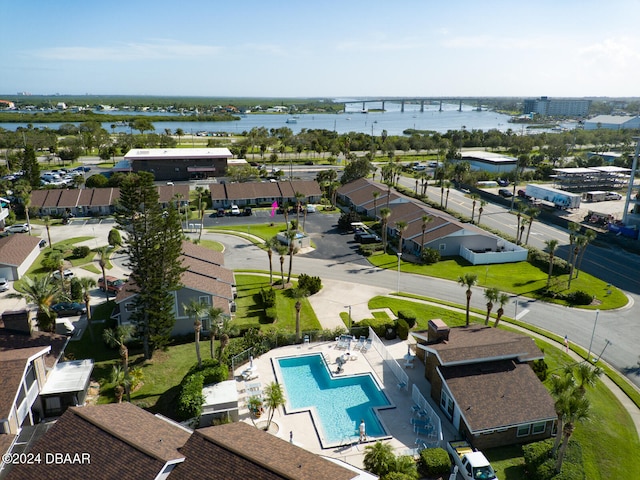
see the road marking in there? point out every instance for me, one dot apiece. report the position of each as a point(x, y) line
point(522, 314)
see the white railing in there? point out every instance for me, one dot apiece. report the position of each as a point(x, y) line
point(389, 361)
point(490, 258)
point(434, 419)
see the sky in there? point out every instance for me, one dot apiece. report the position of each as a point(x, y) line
point(329, 49)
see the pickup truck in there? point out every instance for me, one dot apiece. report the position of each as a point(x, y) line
point(472, 464)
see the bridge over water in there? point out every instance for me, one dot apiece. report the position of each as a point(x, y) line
point(420, 100)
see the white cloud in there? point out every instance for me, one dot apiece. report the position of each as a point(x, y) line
point(159, 49)
point(623, 52)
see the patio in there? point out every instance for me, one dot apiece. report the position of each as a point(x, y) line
point(401, 422)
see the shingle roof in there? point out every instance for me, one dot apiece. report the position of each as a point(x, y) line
point(69, 198)
point(477, 342)
point(15, 248)
point(251, 190)
point(13, 341)
point(13, 364)
point(167, 193)
point(498, 394)
point(190, 249)
point(52, 199)
point(239, 450)
point(122, 440)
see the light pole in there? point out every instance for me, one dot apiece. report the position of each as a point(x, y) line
point(607, 343)
point(592, 335)
point(399, 256)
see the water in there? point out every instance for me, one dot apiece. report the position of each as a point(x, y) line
point(393, 121)
point(337, 404)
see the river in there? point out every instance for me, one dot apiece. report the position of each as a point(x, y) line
point(352, 120)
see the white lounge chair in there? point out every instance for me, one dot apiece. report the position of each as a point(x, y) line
point(367, 346)
point(360, 344)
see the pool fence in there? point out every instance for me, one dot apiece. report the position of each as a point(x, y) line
point(389, 361)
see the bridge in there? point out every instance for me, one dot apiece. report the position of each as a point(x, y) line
point(421, 101)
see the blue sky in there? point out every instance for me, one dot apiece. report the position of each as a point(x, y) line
point(321, 48)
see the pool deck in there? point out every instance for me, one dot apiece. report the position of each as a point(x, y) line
point(396, 420)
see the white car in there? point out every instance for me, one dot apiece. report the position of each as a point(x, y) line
point(4, 285)
point(311, 209)
point(18, 228)
point(235, 210)
point(67, 274)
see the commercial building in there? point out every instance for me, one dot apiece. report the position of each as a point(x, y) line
point(557, 108)
point(489, 161)
point(586, 179)
point(179, 163)
point(613, 122)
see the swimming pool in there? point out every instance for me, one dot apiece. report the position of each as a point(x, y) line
point(337, 404)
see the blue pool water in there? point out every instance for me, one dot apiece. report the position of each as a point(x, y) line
point(337, 404)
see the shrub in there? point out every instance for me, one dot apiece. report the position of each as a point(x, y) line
point(190, 399)
point(579, 297)
point(346, 219)
point(369, 249)
point(81, 252)
point(379, 325)
point(540, 368)
point(211, 370)
point(402, 329)
point(408, 316)
point(268, 297)
point(536, 453)
point(434, 462)
point(114, 238)
point(310, 284)
point(76, 290)
point(271, 314)
point(429, 256)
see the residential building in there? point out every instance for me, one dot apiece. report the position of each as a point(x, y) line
point(443, 233)
point(17, 252)
point(179, 163)
point(482, 379)
point(264, 194)
point(205, 280)
point(566, 107)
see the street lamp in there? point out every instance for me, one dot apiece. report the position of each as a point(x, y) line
point(399, 256)
point(592, 335)
point(607, 343)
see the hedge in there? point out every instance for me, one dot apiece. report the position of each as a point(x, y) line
point(434, 462)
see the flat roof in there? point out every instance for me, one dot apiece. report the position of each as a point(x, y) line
point(490, 157)
point(68, 377)
point(219, 393)
point(603, 169)
point(181, 153)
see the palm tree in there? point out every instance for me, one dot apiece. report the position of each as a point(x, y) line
point(519, 208)
point(47, 223)
point(179, 133)
point(585, 376)
point(121, 382)
point(385, 213)
point(298, 294)
point(195, 310)
point(446, 201)
point(118, 337)
point(285, 212)
point(214, 315)
point(551, 247)
point(426, 220)
point(273, 399)
point(299, 196)
point(401, 226)
point(87, 283)
point(468, 280)
point(379, 458)
point(573, 228)
point(503, 298)
point(481, 209)
point(55, 261)
point(581, 242)
point(589, 236)
point(291, 236)
point(491, 294)
point(474, 199)
point(39, 291)
point(271, 245)
point(389, 183)
point(224, 329)
point(103, 256)
point(575, 410)
point(562, 389)
point(533, 213)
point(282, 251)
point(523, 225)
point(424, 178)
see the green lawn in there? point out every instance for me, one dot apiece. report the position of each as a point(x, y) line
point(212, 245)
point(508, 278)
point(264, 230)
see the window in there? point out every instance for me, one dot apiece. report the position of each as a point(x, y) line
point(442, 246)
point(539, 427)
point(130, 307)
point(523, 430)
point(446, 403)
point(177, 169)
point(205, 299)
point(52, 404)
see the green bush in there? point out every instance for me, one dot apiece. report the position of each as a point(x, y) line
point(211, 370)
point(81, 252)
point(540, 465)
point(190, 399)
point(76, 290)
point(540, 259)
point(408, 316)
point(310, 284)
point(429, 256)
point(379, 325)
point(271, 314)
point(434, 462)
point(346, 219)
point(537, 452)
point(540, 368)
point(402, 328)
point(369, 249)
point(579, 297)
point(114, 238)
point(268, 297)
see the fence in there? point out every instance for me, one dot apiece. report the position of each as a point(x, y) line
point(240, 359)
point(389, 361)
point(435, 438)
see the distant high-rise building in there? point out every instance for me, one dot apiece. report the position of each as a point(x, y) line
point(564, 108)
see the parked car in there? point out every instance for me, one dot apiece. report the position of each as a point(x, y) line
point(247, 212)
point(221, 212)
point(113, 284)
point(505, 192)
point(66, 272)
point(4, 285)
point(235, 210)
point(311, 209)
point(65, 309)
point(419, 168)
point(18, 228)
point(503, 183)
point(42, 243)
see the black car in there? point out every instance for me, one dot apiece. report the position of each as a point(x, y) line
point(65, 309)
point(221, 212)
point(247, 212)
point(42, 243)
point(505, 192)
